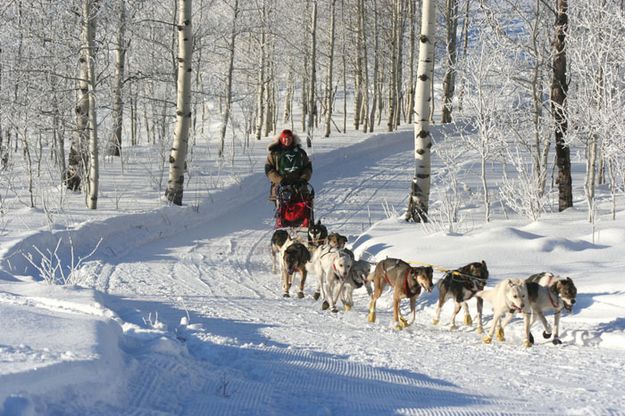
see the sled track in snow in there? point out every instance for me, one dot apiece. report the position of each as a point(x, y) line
point(300, 382)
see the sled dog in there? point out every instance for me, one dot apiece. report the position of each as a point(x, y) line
point(279, 241)
point(332, 267)
point(356, 278)
point(295, 258)
point(337, 240)
point(508, 297)
point(317, 234)
point(406, 281)
point(549, 292)
point(461, 285)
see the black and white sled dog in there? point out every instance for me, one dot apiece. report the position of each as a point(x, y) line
point(461, 285)
point(280, 240)
point(294, 260)
point(507, 298)
point(356, 278)
point(317, 234)
point(547, 292)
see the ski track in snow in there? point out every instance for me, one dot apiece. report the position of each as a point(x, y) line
point(249, 351)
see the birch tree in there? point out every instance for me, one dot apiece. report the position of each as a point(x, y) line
point(412, 13)
point(228, 93)
point(78, 158)
point(260, 91)
point(329, 96)
point(362, 32)
point(376, 66)
point(177, 158)
point(449, 79)
point(89, 10)
point(115, 144)
point(392, 80)
point(313, 65)
point(418, 201)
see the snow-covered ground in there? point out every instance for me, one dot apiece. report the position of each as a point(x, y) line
point(177, 311)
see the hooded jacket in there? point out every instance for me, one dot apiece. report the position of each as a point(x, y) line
point(272, 165)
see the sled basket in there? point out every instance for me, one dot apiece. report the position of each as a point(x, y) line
point(294, 206)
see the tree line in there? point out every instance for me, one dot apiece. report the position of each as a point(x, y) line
point(98, 76)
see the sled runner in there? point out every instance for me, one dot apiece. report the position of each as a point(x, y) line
point(294, 206)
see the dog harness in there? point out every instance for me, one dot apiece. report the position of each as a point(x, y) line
point(407, 288)
point(549, 287)
point(553, 302)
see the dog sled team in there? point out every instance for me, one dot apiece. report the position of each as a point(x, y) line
point(338, 273)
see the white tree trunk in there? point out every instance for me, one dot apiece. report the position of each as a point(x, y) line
point(288, 99)
point(78, 158)
point(177, 157)
point(328, 94)
point(392, 81)
point(225, 116)
point(400, 62)
point(376, 69)
point(89, 13)
point(412, 12)
point(362, 30)
point(449, 80)
point(420, 191)
point(591, 172)
point(313, 75)
point(115, 145)
point(260, 109)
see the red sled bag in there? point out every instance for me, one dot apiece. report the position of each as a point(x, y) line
point(294, 206)
point(295, 214)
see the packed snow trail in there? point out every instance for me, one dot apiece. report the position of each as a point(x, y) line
point(247, 350)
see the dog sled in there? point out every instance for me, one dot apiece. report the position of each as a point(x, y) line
point(294, 207)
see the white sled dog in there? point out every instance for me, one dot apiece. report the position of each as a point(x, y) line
point(332, 266)
point(549, 292)
point(507, 298)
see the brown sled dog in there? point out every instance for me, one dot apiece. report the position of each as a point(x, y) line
point(406, 282)
point(461, 285)
point(295, 258)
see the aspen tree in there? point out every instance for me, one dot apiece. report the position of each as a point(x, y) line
point(225, 116)
point(115, 145)
point(399, 65)
point(418, 201)
point(178, 154)
point(376, 69)
point(78, 157)
point(313, 64)
point(392, 85)
point(449, 79)
point(362, 31)
point(328, 93)
point(412, 13)
point(260, 91)
point(89, 9)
